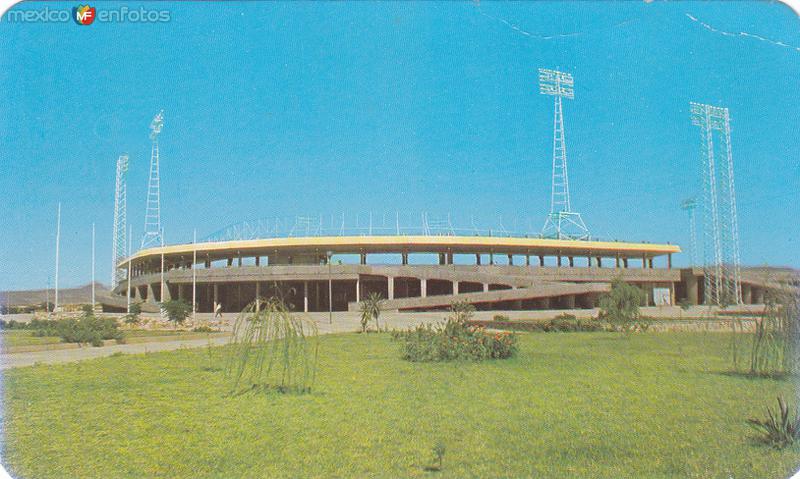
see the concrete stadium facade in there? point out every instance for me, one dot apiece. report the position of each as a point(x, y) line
point(413, 273)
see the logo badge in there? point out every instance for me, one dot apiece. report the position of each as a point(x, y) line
point(83, 14)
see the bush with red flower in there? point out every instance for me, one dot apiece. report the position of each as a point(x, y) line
point(456, 339)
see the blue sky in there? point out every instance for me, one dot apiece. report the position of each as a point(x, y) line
point(296, 108)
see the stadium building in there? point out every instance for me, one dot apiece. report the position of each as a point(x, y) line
point(412, 272)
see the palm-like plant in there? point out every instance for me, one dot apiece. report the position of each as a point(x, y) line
point(779, 429)
point(371, 309)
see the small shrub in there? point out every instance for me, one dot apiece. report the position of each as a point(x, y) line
point(177, 310)
point(438, 456)
point(501, 318)
point(620, 307)
point(133, 318)
point(563, 323)
point(779, 429)
point(88, 329)
point(204, 329)
point(461, 311)
point(13, 324)
point(455, 340)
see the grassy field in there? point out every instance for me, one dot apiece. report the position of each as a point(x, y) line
point(570, 405)
point(20, 340)
point(20, 337)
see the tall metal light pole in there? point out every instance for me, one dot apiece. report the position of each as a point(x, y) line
point(561, 222)
point(152, 218)
point(120, 220)
point(330, 289)
point(130, 267)
point(689, 205)
point(721, 262)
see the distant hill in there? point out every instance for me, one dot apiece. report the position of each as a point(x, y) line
point(80, 295)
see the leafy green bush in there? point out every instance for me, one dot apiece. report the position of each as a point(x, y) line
point(501, 318)
point(204, 329)
point(177, 310)
point(12, 324)
point(455, 339)
point(620, 307)
point(88, 329)
point(134, 315)
point(779, 429)
point(563, 323)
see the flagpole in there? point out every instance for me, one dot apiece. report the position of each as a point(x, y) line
point(93, 264)
point(58, 242)
point(194, 278)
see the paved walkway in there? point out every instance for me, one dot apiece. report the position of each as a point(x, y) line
point(342, 322)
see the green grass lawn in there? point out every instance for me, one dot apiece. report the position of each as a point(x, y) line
point(21, 340)
point(570, 405)
point(21, 337)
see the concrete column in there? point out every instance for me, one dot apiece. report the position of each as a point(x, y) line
point(599, 262)
point(423, 288)
point(485, 287)
point(317, 297)
point(239, 260)
point(208, 264)
point(527, 260)
point(442, 258)
point(358, 290)
point(151, 297)
point(165, 296)
point(449, 258)
point(650, 263)
point(258, 296)
point(305, 296)
point(571, 261)
point(390, 287)
point(691, 289)
point(180, 292)
point(216, 295)
point(558, 262)
point(541, 260)
point(491, 258)
point(644, 262)
point(137, 294)
point(625, 262)
point(258, 260)
point(669, 260)
point(478, 259)
point(230, 261)
point(588, 261)
point(455, 287)
point(758, 295)
point(569, 301)
point(511, 260)
point(405, 258)
point(616, 262)
point(363, 258)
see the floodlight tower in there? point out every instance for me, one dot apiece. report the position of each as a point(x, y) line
point(689, 205)
point(120, 220)
point(152, 218)
point(721, 262)
point(561, 222)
